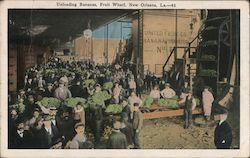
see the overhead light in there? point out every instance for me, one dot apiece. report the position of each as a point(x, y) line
point(36, 30)
point(87, 33)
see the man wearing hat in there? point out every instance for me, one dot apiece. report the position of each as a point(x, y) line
point(77, 90)
point(47, 133)
point(49, 90)
point(30, 106)
point(41, 82)
point(117, 139)
point(168, 92)
point(125, 108)
point(80, 139)
point(62, 92)
point(29, 86)
point(54, 121)
point(35, 116)
point(137, 122)
point(223, 132)
point(52, 79)
point(127, 129)
point(21, 94)
point(66, 124)
point(21, 138)
point(190, 105)
point(72, 78)
point(207, 100)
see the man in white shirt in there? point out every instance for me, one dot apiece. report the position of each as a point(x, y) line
point(168, 92)
point(116, 93)
point(155, 93)
point(132, 85)
point(134, 99)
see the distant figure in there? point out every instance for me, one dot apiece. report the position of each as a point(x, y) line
point(132, 85)
point(190, 105)
point(155, 93)
point(79, 113)
point(117, 140)
point(116, 93)
point(147, 81)
point(168, 92)
point(62, 92)
point(184, 93)
point(139, 85)
point(49, 90)
point(77, 90)
point(207, 100)
point(223, 132)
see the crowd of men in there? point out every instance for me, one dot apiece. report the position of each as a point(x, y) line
point(35, 126)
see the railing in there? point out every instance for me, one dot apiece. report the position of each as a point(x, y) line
point(185, 52)
point(163, 68)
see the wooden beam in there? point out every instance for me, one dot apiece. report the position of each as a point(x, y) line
point(168, 113)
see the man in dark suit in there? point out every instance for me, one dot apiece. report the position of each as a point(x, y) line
point(49, 90)
point(125, 108)
point(30, 106)
point(48, 133)
point(52, 78)
point(97, 120)
point(66, 124)
point(20, 138)
point(223, 132)
point(29, 86)
point(137, 122)
point(117, 140)
point(54, 122)
point(127, 129)
point(77, 90)
point(139, 85)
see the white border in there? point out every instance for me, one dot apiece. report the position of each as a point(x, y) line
point(244, 89)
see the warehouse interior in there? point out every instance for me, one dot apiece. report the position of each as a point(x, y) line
point(202, 46)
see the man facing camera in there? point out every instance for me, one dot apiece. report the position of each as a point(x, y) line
point(117, 140)
point(137, 122)
point(223, 132)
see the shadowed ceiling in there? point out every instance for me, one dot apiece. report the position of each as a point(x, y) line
point(47, 27)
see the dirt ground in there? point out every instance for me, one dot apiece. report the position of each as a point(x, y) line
point(168, 133)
